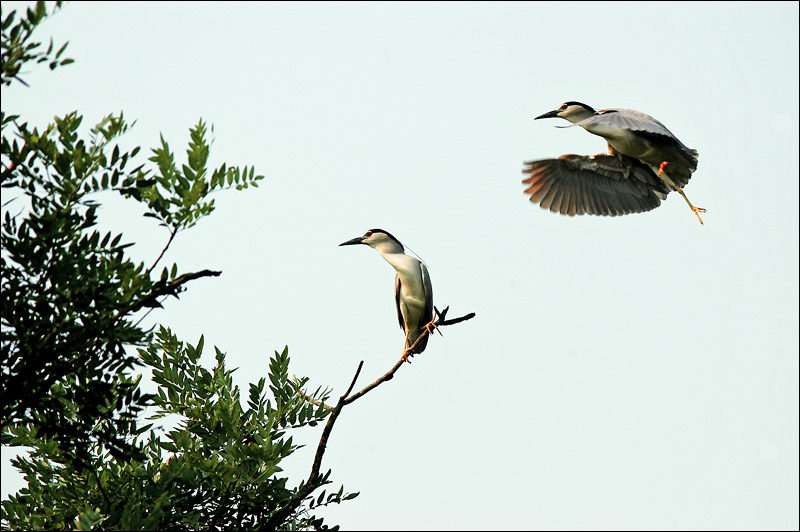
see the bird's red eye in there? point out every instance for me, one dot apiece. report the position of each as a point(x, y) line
point(368, 233)
point(562, 107)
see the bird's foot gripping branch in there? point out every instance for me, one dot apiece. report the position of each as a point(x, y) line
point(434, 325)
point(314, 479)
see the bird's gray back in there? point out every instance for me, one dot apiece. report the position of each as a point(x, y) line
point(629, 119)
point(604, 122)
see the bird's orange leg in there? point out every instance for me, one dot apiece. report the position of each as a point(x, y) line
point(430, 327)
point(407, 350)
point(695, 210)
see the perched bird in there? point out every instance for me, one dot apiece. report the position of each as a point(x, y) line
point(413, 293)
point(645, 161)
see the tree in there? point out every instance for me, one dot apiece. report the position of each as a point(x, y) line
point(72, 302)
point(70, 294)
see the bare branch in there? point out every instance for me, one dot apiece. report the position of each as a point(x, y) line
point(169, 289)
point(386, 377)
point(313, 479)
point(323, 441)
point(445, 322)
point(440, 322)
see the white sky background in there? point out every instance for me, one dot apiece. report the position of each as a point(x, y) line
point(630, 372)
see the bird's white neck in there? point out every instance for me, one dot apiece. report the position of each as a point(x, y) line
point(389, 247)
point(394, 255)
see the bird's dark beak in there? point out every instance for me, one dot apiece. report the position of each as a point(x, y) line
point(357, 240)
point(551, 114)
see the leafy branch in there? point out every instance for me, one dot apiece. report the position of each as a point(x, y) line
point(18, 49)
point(67, 288)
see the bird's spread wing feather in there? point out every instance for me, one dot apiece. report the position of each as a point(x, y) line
point(607, 185)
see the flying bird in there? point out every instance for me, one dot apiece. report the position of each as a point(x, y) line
point(645, 162)
point(413, 292)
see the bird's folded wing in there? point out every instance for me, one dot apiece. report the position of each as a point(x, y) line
point(645, 125)
point(629, 119)
point(397, 286)
point(607, 185)
point(428, 287)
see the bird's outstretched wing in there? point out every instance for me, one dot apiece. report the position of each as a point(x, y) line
point(606, 185)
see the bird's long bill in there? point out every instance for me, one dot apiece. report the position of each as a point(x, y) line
point(351, 242)
point(550, 114)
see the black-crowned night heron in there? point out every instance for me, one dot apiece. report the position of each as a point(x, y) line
point(413, 293)
point(645, 161)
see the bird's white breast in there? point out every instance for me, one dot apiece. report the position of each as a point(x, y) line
point(412, 291)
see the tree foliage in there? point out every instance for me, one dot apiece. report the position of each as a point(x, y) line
point(72, 301)
point(70, 293)
point(19, 47)
point(219, 468)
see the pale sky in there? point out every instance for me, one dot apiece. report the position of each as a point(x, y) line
point(621, 373)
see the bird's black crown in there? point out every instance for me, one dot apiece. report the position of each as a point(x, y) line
point(581, 104)
point(387, 233)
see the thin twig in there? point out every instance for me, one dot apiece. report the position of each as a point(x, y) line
point(440, 322)
point(140, 320)
point(311, 484)
point(386, 377)
point(323, 441)
point(171, 237)
point(311, 400)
